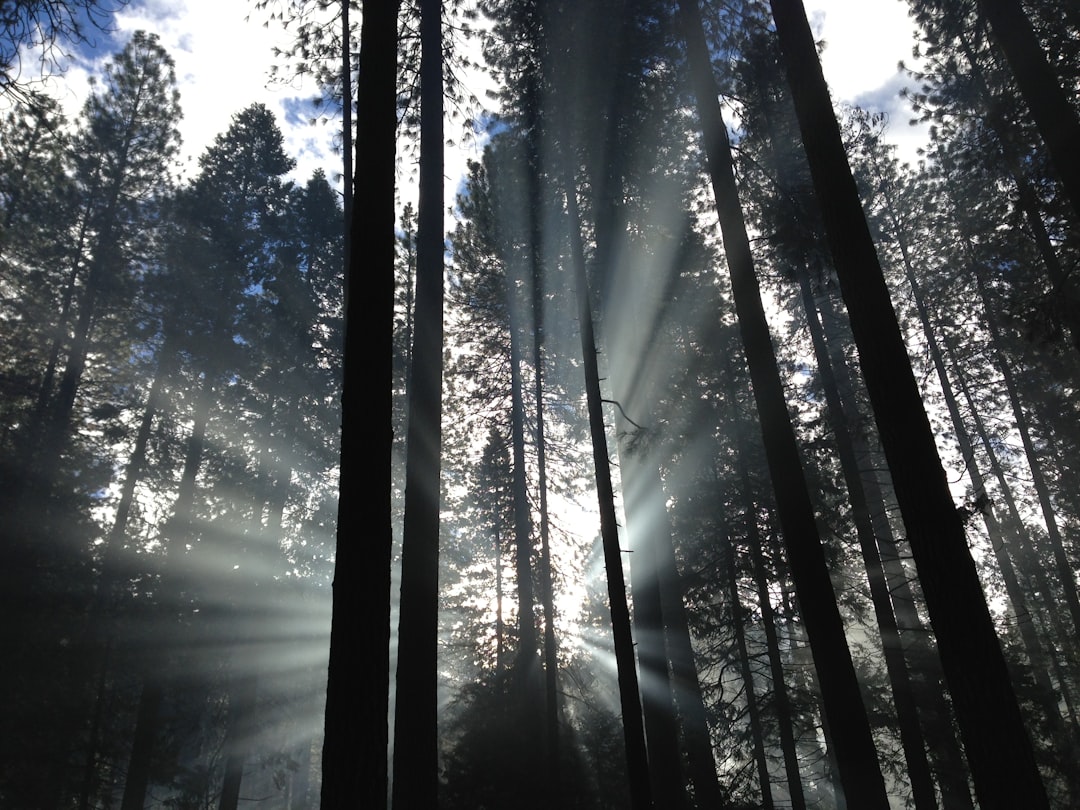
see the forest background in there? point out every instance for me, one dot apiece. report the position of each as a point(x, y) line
point(173, 380)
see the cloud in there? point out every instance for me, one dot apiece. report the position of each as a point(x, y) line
point(223, 62)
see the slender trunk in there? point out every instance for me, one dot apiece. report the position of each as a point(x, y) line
point(415, 784)
point(860, 772)
point(1051, 108)
point(1066, 574)
point(1026, 197)
point(747, 676)
point(1033, 647)
point(238, 737)
point(132, 473)
point(547, 596)
point(178, 532)
point(346, 128)
point(142, 745)
point(1019, 530)
point(927, 678)
point(646, 516)
point(918, 766)
point(998, 746)
point(57, 421)
point(784, 716)
point(633, 727)
point(498, 601)
point(1033, 572)
point(526, 653)
point(684, 675)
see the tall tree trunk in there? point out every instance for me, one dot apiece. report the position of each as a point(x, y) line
point(547, 596)
point(784, 716)
point(354, 769)
point(633, 728)
point(415, 717)
point(1051, 108)
point(684, 675)
point(238, 736)
point(999, 749)
point(1066, 574)
point(525, 666)
point(927, 679)
point(1026, 197)
point(747, 676)
point(142, 745)
point(860, 772)
point(175, 580)
point(646, 515)
point(918, 766)
point(1018, 529)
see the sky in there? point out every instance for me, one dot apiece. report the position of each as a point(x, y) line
point(223, 55)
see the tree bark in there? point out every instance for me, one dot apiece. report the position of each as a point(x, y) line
point(646, 515)
point(416, 756)
point(354, 769)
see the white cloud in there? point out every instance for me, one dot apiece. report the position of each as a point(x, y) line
point(864, 42)
point(222, 66)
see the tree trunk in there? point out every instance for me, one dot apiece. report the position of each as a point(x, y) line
point(547, 596)
point(918, 767)
point(784, 717)
point(860, 772)
point(684, 675)
point(747, 676)
point(416, 756)
point(637, 763)
point(646, 516)
point(525, 666)
point(354, 769)
point(999, 749)
point(925, 666)
point(1051, 109)
point(142, 744)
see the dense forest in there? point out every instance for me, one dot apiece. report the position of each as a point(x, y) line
point(713, 457)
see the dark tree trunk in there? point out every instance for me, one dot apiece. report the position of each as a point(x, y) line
point(416, 764)
point(999, 749)
point(1051, 109)
point(547, 596)
point(354, 758)
point(784, 716)
point(1066, 574)
point(918, 766)
point(646, 516)
point(684, 675)
point(637, 763)
point(927, 680)
point(142, 745)
point(238, 737)
point(860, 772)
point(744, 668)
point(525, 665)
point(1026, 198)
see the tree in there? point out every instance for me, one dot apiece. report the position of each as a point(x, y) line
point(860, 774)
point(415, 734)
point(370, 317)
point(1000, 751)
point(45, 29)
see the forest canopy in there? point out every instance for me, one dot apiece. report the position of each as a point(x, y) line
point(714, 456)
